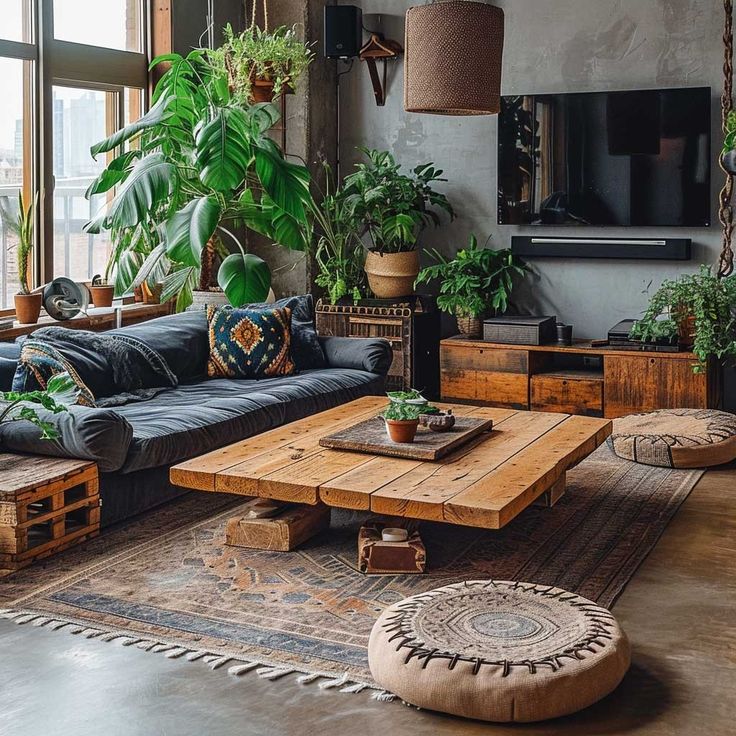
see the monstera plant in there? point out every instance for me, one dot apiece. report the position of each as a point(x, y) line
point(188, 175)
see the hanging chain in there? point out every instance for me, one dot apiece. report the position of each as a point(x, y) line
point(725, 212)
point(265, 13)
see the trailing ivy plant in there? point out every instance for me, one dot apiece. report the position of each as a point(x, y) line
point(61, 392)
point(277, 56)
point(701, 302)
point(339, 252)
point(390, 207)
point(198, 165)
point(474, 282)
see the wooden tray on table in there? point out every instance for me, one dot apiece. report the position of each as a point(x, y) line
point(370, 436)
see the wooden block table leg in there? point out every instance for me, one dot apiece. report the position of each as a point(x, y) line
point(554, 494)
point(281, 533)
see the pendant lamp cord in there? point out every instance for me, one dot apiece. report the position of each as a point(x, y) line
point(254, 12)
point(725, 212)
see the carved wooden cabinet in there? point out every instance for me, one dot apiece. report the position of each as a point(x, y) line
point(412, 327)
point(579, 379)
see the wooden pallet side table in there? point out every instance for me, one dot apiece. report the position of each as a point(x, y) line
point(46, 505)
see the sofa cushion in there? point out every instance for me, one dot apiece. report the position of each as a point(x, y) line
point(181, 339)
point(100, 435)
point(101, 364)
point(249, 342)
point(306, 349)
point(363, 354)
point(193, 419)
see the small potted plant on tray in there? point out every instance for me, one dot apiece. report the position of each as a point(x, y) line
point(404, 413)
point(21, 224)
point(392, 209)
point(101, 292)
point(697, 310)
point(474, 282)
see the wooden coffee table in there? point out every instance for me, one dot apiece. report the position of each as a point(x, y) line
point(483, 484)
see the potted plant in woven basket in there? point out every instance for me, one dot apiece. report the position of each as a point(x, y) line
point(697, 311)
point(21, 223)
point(391, 209)
point(473, 283)
point(260, 65)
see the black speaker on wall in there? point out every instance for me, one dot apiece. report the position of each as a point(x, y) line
point(343, 31)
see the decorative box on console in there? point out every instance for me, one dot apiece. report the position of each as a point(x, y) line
point(520, 330)
point(376, 557)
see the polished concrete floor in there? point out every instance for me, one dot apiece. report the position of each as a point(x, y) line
point(679, 611)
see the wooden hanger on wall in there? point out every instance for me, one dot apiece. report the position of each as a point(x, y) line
point(374, 50)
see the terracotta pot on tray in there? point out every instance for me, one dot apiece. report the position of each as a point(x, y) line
point(28, 307)
point(402, 430)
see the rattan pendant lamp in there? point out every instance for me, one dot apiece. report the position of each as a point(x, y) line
point(453, 58)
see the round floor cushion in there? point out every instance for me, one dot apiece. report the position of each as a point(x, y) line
point(676, 438)
point(498, 651)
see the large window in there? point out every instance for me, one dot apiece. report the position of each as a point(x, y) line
point(71, 72)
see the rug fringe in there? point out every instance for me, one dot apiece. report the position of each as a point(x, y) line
point(264, 670)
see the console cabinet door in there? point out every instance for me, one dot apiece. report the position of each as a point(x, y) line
point(636, 384)
point(486, 376)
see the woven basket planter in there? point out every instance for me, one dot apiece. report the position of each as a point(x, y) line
point(453, 58)
point(469, 326)
point(392, 275)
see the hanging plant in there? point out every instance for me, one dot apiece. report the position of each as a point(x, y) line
point(261, 64)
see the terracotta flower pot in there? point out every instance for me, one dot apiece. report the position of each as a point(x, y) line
point(469, 326)
point(392, 275)
point(402, 431)
point(28, 307)
point(102, 296)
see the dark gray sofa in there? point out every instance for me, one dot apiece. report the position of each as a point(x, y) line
point(136, 443)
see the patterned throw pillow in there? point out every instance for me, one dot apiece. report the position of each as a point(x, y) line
point(39, 363)
point(249, 343)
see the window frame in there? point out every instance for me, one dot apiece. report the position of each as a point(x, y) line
point(69, 64)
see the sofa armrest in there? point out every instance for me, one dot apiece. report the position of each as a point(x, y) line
point(99, 435)
point(373, 355)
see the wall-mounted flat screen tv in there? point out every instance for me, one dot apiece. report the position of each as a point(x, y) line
point(637, 158)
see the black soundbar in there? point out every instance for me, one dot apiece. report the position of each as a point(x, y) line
point(660, 249)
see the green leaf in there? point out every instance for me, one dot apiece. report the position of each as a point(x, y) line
point(151, 181)
point(255, 215)
point(63, 389)
point(150, 264)
point(117, 171)
point(288, 232)
point(245, 279)
point(223, 150)
point(189, 229)
point(175, 282)
point(156, 115)
point(287, 184)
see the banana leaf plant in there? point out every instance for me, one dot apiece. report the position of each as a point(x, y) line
point(195, 168)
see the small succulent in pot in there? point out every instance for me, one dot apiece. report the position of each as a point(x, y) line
point(101, 292)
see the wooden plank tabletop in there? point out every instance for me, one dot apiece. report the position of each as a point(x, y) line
point(486, 483)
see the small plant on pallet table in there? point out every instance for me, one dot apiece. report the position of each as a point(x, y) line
point(60, 393)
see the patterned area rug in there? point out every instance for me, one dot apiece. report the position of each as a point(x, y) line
point(167, 583)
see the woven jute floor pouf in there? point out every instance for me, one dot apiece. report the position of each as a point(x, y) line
point(498, 651)
point(676, 438)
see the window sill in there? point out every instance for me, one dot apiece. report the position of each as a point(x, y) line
point(97, 319)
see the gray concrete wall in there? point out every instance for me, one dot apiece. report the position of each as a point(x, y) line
point(551, 46)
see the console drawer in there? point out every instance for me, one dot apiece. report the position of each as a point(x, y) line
point(569, 393)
